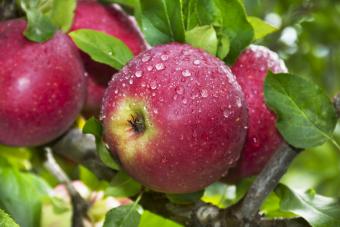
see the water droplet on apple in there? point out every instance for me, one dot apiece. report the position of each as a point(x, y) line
point(186, 73)
point(197, 62)
point(153, 85)
point(145, 58)
point(238, 102)
point(116, 91)
point(130, 81)
point(159, 66)
point(204, 93)
point(226, 113)
point(153, 94)
point(149, 68)
point(155, 111)
point(143, 84)
point(164, 57)
point(175, 97)
point(185, 101)
point(124, 85)
point(139, 74)
point(179, 90)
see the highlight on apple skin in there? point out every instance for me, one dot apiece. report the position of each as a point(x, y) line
point(263, 138)
point(42, 86)
point(176, 118)
point(113, 21)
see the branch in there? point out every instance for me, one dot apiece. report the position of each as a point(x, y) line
point(9, 9)
point(81, 149)
point(336, 102)
point(79, 205)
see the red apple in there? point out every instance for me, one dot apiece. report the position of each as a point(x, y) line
point(175, 116)
point(42, 86)
point(263, 139)
point(113, 21)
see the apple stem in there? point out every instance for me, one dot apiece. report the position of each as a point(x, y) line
point(79, 205)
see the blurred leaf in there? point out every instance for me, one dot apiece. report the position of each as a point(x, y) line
point(223, 46)
point(56, 212)
point(91, 180)
point(6, 220)
point(186, 198)
point(21, 195)
point(319, 211)
point(271, 208)
point(261, 28)
point(149, 219)
point(123, 216)
point(123, 185)
point(93, 126)
point(39, 27)
point(306, 116)
point(18, 157)
point(62, 13)
point(162, 21)
point(102, 48)
point(203, 37)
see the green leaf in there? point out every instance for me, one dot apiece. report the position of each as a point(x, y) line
point(56, 212)
point(153, 220)
point(261, 28)
point(91, 180)
point(203, 37)
point(319, 211)
point(102, 48)
point(62, 13)
point(229, 19)
point(21, 195)
point(306, 116)
point(123, 216)
point(162, 21)
point(271, 208)
point(123, 185)
point(39, 27)
point(93, 126)
point(6, 220)
point(18, 157)
point(186, 198)
point(128, 3)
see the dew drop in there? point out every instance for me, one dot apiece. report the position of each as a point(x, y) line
point(226, 113)
point(139, 74)
point(185, 101)
point(186, 73)
point(149, 68)
point(204, 93)
point(179, 90)
point(159, 66)
point(155, 111)
point(130, 81)
point(164, 57)
point(197, 62)
point(116, 91)
point(239, 103)
point(145, 58)
point(143, 84)
point(153, 85)
point(153, 94)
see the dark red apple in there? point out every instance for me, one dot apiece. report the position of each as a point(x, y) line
point(263, 139)
point(175, 116)
point(113, 21)
point(42, 86)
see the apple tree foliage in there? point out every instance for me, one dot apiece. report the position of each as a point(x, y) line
point(306, 117)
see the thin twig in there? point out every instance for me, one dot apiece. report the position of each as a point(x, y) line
point(79, 205)
point(265, 183)
point(336, 102)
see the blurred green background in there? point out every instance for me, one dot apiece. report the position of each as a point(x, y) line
point(309, 41)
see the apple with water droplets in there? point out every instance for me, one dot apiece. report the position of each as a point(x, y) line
point(175, 117)
point(113, 21)
point(42, 86)
point(263, 139)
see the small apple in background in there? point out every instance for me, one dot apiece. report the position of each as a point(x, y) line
point(42, 86)
point(113, 21)
point(175, 116)
point(263, 139)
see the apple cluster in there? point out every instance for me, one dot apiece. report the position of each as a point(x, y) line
point(176, 117)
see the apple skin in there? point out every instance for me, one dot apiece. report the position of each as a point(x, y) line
point(42, 86)
point(191, 114)
point(113, 21)
point(263, 139)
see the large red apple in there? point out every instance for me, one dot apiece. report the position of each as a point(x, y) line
point(113, 21)
point(42, 86)
point(176, 118)
point(263, 139)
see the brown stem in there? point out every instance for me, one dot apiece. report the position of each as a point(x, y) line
point(79, 205)
point(336, 102)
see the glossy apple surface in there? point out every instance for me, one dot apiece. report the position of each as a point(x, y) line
point(42, 86)
point(175, 116)
point(113, 21)
point(263, 139)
